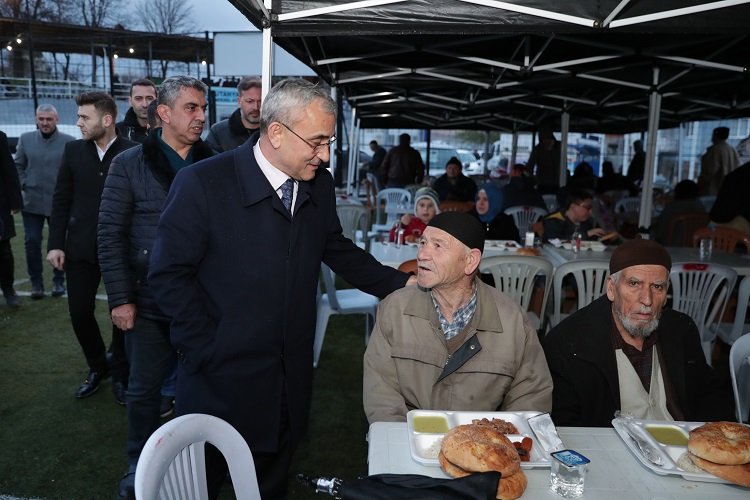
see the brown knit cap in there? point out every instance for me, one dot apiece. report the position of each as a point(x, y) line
point(637, 253)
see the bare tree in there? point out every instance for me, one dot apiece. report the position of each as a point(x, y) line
point(99, 13)
point(167, 16)
point(27, 9)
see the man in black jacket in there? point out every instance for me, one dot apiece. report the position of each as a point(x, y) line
point(243, 123)
point(626, 352)
point(72, 235)
point(10, 203)
point(135, 124)
point(132, 200)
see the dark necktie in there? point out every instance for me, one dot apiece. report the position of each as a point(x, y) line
point(287, 190)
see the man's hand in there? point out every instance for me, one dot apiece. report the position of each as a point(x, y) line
point(123, 317)
point(57, 259)
point(597, 231)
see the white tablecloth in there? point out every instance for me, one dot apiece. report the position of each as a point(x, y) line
point(614, 473)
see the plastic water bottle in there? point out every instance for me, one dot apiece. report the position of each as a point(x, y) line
point(576, 239)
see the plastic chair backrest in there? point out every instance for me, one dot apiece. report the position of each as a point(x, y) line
point(738, 326)
point(707, 201)
point(413, 188)
point(353, 218)
point(515, 276)
point(408, 266)
point(701, 291)
point(739, 368)
point(524, 216)
point(172, 464)
point(681, 227)
point(393, 198)
point(629, 204)
point(724, 238)
point(591, 283)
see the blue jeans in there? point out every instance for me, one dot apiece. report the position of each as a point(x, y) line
point(152, 359)
point(32, 226)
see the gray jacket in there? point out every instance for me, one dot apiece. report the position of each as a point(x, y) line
point(38, 160)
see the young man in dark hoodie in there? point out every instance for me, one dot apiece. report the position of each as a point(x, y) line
point(132, 201)
point(243, 123)
point(135, 124)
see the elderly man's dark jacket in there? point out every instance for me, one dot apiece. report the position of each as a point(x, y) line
point(78, 192)
point(238, 277)
point(132, 200)
point(584, 370)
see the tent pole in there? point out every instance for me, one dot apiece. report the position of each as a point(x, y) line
point(353, 173)
point(513, 149)
point(647, 193)
point(564, 127)
point(486, 155)
point(353, 132)
point(266, 67)
point(332, 150)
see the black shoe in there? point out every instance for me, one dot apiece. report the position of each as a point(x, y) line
point(12, 300)
point(126, 489)
point(118, 389)
point(166, 408)
point(58, 290)
point(37, 292)
point(91, 384)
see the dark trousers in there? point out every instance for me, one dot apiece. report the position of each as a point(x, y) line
point(272, 469)
point(6, 267)
point(83, 282)
point(33, 224)
point(152, 359)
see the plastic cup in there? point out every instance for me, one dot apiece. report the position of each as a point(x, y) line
point(705, 248)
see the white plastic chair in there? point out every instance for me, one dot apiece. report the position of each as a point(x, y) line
point(354, 218)
point(591, 283)
point(701, 291)
point(172, 465)
point(551, 201)
point(515, 275)
point(397, 202)
point(524, 216)
point(627, 205)
point(730, 332)
point(739, 368)
point(350, 301)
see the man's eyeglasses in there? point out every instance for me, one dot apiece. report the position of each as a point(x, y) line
point(315, 147)
point(587, 207)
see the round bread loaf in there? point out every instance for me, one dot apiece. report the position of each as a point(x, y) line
point(528, 251)
point(725, 443)
point(512, 487)
point(452, 470)
point(477, 448)
point(737, 474)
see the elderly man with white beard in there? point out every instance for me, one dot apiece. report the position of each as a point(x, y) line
point(627, 352)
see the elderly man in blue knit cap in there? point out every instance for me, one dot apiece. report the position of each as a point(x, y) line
point(452, 342)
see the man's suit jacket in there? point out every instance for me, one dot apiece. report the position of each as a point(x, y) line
point(238, 277)
point(78, 191)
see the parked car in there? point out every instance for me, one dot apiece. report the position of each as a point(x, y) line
point(471, 165)
point(439, 155)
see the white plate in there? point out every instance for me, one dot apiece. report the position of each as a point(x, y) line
point(670, 454)
point(508, 245)
point(425, 447)
point(595, 246)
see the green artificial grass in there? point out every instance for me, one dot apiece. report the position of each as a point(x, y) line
point(57, 447)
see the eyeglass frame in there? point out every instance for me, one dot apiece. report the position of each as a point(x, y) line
point(315, 148)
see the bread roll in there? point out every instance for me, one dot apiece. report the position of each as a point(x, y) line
point(479, 449)
point(737, 474)
point(725, 443)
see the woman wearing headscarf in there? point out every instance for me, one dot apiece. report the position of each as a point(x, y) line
point(488, 209)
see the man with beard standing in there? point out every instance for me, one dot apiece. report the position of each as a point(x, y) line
point(626, 352)
point(133, 197)
point(135, 124)
point(72, 235)
point(243, 123)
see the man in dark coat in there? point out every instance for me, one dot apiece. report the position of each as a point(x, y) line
point(453, 185)
point(626, 352)
point(10, 203)
point(72, 235)
point(134, 126)
point(243, 123)
point(402, 165)
point(235, 265)
point(132, 200)
point(728, 208)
